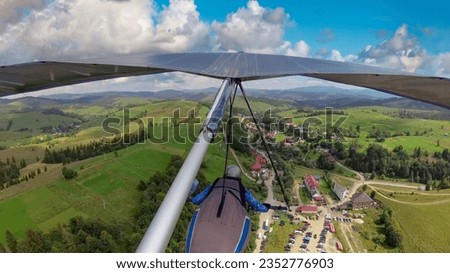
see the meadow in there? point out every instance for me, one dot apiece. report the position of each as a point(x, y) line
point(380, 118)
point(422, 218)
point(106, 186)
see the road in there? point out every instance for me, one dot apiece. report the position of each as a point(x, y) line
point(270, 197)
point(240, 165)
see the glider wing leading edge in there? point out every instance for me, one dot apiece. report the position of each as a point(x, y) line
point(244, 66)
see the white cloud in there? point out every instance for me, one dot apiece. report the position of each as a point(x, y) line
point(336, 56)
point(44, 29)
point(253, 28)
point(13, 11)
point(440, 65)
point(301, 49)
point(86, 28)
point(180, 28)
point(80, 28)
point(257, 29)
point(402, 51)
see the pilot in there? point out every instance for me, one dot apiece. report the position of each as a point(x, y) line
point(221, 223)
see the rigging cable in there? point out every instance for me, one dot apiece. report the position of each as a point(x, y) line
point(228, 133)
point(277, 177)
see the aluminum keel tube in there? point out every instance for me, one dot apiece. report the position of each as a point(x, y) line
point(158, 234)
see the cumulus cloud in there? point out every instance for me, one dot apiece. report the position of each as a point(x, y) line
point(253, 28)
point(440, 65)
point(335, 55)
point(257, 29)
point(86, 28)
point(402, 51)
point(300, 49)
point(13, 11)
point(180, 28)
point(61, 29)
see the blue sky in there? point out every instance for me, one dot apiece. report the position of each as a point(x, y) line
point(354, 23)
point(405, 35)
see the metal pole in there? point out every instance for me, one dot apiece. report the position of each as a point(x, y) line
point(161, 228)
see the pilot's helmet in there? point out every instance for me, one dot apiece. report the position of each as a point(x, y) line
point(233, 171)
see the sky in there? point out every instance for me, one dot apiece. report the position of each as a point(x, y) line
point(409, 35)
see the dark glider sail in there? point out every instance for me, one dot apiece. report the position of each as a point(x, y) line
point(221, 224)
point(244, 66)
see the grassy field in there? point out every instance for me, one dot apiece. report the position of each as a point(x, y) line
point(105, 187)
point(343, 181)
point(376, 117)
point(277, 239)
point(423, 226)
point(259, 106)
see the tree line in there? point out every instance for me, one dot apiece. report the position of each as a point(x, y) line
point(399, 164)
point(92, 149)
point(10, 171)
point(393, 238)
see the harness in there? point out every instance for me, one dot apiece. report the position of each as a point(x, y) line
point(229, 187)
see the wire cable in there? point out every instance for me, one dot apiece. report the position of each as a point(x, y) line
point(277, 177)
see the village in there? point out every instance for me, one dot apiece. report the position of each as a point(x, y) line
point(312, 223)
point(314, 229)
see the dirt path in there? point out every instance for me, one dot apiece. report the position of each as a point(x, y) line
point(388, 183)
point(344, 232)
point(410, 203)
point(296, 192)
point(240, 165)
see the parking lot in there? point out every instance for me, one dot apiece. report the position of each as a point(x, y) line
point(312, 237)
point(306, 233)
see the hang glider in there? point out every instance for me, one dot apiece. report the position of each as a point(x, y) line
point(233, 69)
point(243, 66)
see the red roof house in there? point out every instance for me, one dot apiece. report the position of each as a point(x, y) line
point(311, 182)
point(260, 159)
point(307, 209)
point(256, 167)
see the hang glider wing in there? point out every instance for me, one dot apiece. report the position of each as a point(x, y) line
point(245, 66)
point(35, 76)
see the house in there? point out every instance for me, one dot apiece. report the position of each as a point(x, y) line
point(287, 141)
point(261, 159)
point(311, 182)
point(313, 187)
point(307, 209)
point(256, 167)
point(361, 200)
point(340, 191)
point(316, 194)
point(251, 127)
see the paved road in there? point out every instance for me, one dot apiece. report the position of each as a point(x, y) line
point(270, 197)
